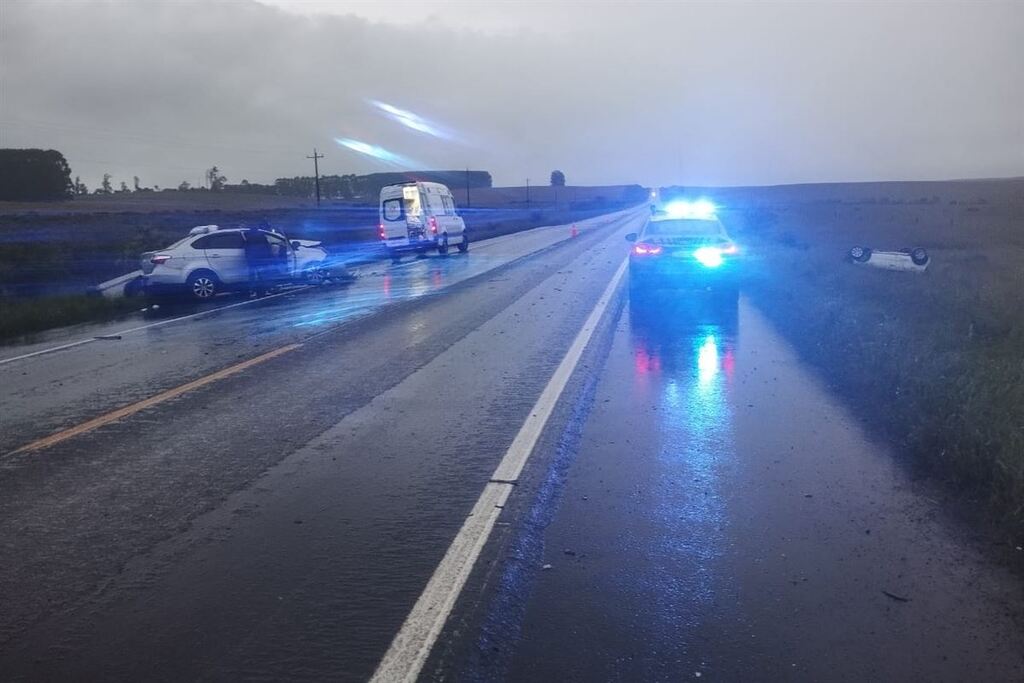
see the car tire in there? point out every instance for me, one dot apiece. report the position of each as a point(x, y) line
point(860, 254)
point(203, 285)
point(464, 244)
point(316, 274)
point(442, 245)
point(919, 256)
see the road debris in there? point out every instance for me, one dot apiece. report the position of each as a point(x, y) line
point(897, 598)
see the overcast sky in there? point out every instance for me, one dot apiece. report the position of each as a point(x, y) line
point(647, 92)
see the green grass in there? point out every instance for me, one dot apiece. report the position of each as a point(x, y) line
point(935, 362)
point(21, 317)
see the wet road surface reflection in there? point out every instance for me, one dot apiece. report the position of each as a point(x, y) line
point(684, 356)
point(644, 510)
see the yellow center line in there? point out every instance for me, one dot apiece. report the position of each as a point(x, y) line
point(128, 410)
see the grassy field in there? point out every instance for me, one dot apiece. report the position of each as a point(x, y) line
point(934, 361)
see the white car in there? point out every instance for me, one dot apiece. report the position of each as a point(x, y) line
point(212, 260)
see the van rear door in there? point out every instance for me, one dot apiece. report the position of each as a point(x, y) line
point(401, 214)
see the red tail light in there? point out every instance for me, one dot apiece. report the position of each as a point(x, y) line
point(433, 224)
point(647, 249)
point(380, 232)
point(160, 258)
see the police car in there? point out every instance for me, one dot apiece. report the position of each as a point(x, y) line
point(683, 245)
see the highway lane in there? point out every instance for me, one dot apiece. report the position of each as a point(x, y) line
point(717, 514)
point(97, 368)
point(284, 519)
point(715, 502)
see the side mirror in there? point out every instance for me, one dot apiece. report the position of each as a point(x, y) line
point(631, 237)
point(295, 244)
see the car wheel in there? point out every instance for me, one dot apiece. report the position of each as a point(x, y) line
point(860, 254)
point(464, 244)
point(316, 275)
point(442, 246)
point(203, 286)
point(919, 256)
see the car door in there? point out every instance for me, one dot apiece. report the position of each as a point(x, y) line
point(225, 252)
point(282, 256)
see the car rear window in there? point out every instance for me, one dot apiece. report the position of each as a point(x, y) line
point(685, 227)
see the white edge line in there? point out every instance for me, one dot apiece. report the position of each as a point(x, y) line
point(412, 645)
point(50, 350)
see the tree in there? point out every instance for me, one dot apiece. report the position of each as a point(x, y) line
point(34, 174)
point(124, 187)
point(80, 187)
point(135, 179)
point(105, 185)
point(215, 179)
point(185, 186)
point(557, 179)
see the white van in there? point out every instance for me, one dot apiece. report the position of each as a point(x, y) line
point(420, 217)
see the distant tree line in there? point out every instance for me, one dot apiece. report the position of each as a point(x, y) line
point(354, 187)
point(34, 174)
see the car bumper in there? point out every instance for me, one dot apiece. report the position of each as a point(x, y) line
point(410, 244)
point(682, 273)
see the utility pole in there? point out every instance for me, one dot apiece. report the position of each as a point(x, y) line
point(527, 191)
point(467, 187)
point(316, 172)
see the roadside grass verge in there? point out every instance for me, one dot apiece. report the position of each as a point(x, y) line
point(24, 316)
point(934, 362)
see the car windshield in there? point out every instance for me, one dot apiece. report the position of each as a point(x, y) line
point(641, 341)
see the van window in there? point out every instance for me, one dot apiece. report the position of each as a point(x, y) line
point(392, 209)
point(220, 240)
point(436, 204)
point(449, 205)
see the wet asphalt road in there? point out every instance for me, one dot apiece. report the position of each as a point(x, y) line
point(704, 505)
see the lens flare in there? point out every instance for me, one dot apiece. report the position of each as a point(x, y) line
point(709, 257)
point(411, 120)
point(374, 151)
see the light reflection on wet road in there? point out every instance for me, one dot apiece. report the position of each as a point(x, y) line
point(712, 522)
point(690, 343)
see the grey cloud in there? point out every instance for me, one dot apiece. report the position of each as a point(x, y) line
point(653, 94)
